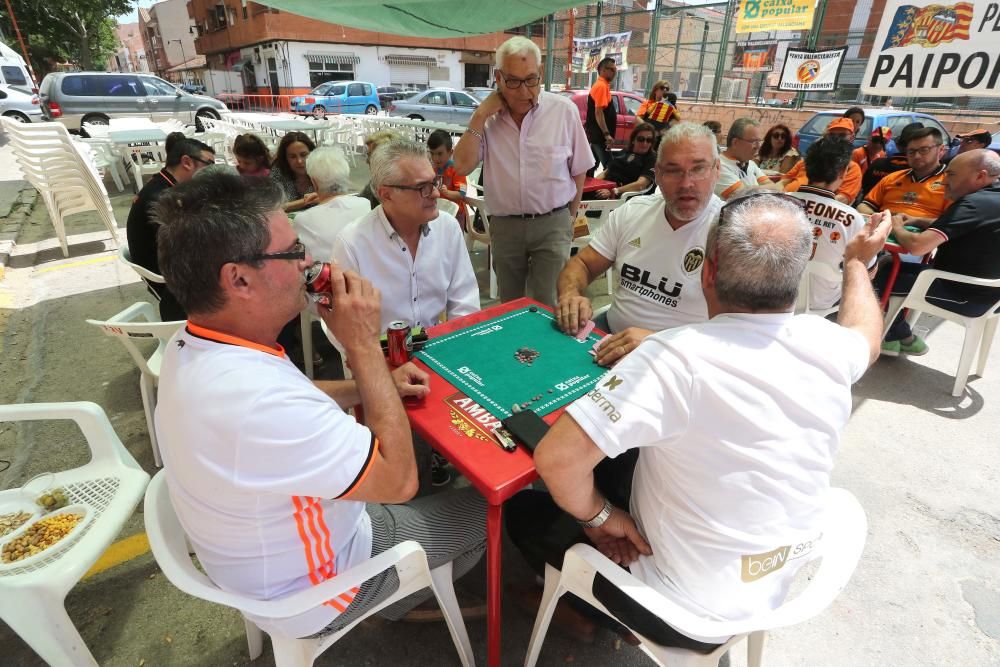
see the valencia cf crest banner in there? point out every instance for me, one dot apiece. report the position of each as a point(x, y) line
point(811, 71)
point(935, 49)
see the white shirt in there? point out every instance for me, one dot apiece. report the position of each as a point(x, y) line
point(739, 419)
point(732, 176)
point(259, 462)
point(658, 267)
point(834, 224)
point(439, 280)
point(319, 226)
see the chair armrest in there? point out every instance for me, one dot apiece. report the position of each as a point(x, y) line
point(926, 277)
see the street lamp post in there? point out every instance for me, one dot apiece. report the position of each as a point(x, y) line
point(183, 57)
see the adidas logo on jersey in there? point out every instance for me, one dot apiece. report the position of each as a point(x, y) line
point(636, 242)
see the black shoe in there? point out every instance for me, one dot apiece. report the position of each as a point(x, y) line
point(439, 472)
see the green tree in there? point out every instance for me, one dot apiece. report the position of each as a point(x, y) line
point(79, 31)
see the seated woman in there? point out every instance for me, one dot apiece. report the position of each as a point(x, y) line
point(289, 170)
point(776, 154)
point(632, 169)
point(319, 227)
point(253, 160)
point(373, 141)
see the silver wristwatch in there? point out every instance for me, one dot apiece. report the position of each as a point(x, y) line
point(601, 517)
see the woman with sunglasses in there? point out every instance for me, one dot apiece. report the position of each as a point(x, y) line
point(777, 155)
point(659, 91)
point(632, 170)
point(289, 170)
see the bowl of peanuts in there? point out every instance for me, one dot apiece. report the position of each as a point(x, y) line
point(45, 536)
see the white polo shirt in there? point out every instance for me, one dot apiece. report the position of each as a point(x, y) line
point(439, 280)
point(739, 419)
point(658, 267)
point(259, 464)
point(834, 224)
point(319, 226)
point(732, 176)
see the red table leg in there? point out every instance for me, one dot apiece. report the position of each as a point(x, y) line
point(893, 273)
point(494, 543)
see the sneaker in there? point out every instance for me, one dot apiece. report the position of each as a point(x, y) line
point(915, 348)
point(439, 471)
point(890, 348)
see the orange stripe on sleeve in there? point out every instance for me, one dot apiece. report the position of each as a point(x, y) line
point(364, 473)
point(731, 189)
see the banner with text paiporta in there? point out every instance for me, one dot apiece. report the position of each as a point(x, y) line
point(935, 49)
point(588, 52)
point(811, 71)
point(768, 15)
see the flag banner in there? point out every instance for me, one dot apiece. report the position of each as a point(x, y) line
point(588, 52)
point(935, 49)
point(812, 71)
point(754, 56)
point(768, 15)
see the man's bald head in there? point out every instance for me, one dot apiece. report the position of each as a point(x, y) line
point(970, 172)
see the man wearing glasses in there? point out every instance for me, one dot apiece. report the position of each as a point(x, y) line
point(184, 159)
point(918, 191)
point(656, 245)
point(535, 158)
point(737, 169)
point(277, 488)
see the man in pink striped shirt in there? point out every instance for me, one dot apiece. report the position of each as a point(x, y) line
point(535, 158)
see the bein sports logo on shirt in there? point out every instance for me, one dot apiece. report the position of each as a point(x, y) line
point(755, 566)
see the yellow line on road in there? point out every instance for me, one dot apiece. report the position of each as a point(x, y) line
point(83, 262)
point(120, 552)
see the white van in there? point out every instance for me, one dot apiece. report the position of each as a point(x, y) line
point(13, 69)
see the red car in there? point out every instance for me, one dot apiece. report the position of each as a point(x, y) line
point(626, 106)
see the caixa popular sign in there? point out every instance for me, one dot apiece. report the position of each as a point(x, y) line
point(930, 48)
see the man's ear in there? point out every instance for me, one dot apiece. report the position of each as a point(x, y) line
point(709, 270)
point(235, 281)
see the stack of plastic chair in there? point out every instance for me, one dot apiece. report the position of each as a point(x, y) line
point(64, 178)
point(101, 154)
point(32, 596)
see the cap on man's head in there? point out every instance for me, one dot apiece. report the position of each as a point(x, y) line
point(841, 124)
point(882, 132)
point(979, 134)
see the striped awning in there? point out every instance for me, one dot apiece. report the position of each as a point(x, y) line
point(335, 59)
point(402, 59)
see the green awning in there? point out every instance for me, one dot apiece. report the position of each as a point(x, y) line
point(425, 18)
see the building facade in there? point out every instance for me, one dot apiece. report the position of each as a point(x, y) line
point(131, 53)
point(168, 37)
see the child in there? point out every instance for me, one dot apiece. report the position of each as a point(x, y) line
point(450, 184)
point(252, 157)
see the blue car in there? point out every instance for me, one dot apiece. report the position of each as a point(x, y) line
point(338, 97)
point(895, 120)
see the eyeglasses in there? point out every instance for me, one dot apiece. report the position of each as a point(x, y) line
point(699, 173)
point(913, 152)
point(425, 189)
point(752, 142)
point(723, 216)
point(298, 252)
point(201, 161)
point(644, 140)
point(531, 82)
point(778, 135)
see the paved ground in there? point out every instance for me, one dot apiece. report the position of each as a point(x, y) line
point(924, 465)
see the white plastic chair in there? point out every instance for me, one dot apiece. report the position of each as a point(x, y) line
point(819, 270)
point(144, 273)
point(127, 327)
point(841, 546)
point(603, 207)
point(32, 598)
point(477, 201)
point(979, 331)
point(169, 545)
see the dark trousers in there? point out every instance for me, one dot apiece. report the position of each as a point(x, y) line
point(543, 533)
point(956, 297)
point(603, 156)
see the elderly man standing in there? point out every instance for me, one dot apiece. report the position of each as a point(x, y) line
point(276, 487)
point(535, 158)
point(734, 458)
point(737, 169)
point(967, 238)
point(656, 244)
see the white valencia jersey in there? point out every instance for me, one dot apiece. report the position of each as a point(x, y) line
point(658, 267)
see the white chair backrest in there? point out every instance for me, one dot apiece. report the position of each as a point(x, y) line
point(124, 256)
point(815, 269)
point(447, 206)
point(127, 327)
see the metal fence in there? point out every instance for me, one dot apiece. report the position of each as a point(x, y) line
point(693, 47)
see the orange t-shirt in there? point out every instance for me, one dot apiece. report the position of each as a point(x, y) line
point(860, 157)
point(849, 188)
point(601, 92)
point(662, 112)
point(899, 192)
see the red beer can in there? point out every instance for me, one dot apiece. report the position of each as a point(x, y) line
point(400, 342)
point(318, 284)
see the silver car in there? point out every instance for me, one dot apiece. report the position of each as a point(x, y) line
point(20, 103)
point(441, 105)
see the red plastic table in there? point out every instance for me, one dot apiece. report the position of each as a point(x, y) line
point(594, 184)
point(465, 442)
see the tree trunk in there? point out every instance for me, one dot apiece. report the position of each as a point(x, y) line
point(86, 55)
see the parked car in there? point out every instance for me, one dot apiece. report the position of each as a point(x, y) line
point(479, 93)
point(20, 103)
point(338, 97)
point(389, 94)
point(441, 105)
point(895, 120)
point(74, 98)
point(192, 88)
point(626, 106)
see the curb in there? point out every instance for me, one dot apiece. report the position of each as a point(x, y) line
point(10, 227)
